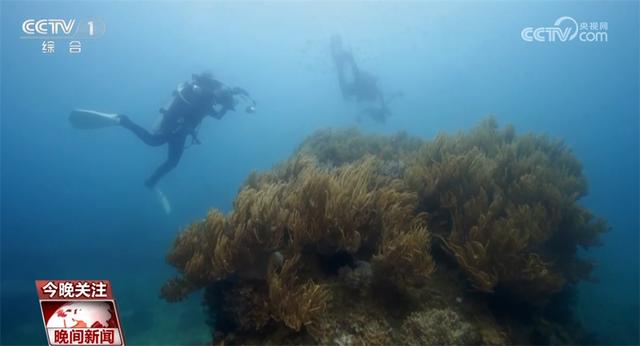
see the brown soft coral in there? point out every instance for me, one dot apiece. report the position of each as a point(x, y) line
point(510, 201)
point(336, 147)
point(334, 245)
point(296, 211)
point(347, 207)
point(296, 304)
point(199, 251)
point(403, 256)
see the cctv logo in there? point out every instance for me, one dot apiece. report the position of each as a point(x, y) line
point(567, 29)
point(48, 26)
point(553, 33)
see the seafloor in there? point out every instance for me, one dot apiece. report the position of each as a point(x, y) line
point(359, 239)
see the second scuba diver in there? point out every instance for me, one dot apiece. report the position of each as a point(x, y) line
point(358, 84)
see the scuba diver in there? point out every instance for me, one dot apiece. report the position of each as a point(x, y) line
point(358, 84)
point(192, 101)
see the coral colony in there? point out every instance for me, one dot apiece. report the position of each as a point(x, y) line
point(371, 240)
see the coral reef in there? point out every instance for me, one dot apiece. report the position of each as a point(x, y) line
point(511, 205)
point(295, 304)
point(374, 240)
point(437, 327)
point(337, 147)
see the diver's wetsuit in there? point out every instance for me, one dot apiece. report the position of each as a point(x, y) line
point(175, 147)
point(181, 120)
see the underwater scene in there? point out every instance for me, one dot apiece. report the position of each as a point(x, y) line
point(325, 173)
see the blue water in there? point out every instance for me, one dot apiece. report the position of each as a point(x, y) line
point(73, 204)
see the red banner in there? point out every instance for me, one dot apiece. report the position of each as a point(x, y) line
point(73, 289)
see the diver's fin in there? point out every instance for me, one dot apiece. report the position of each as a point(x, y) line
point(88, 119)
point(163, 200)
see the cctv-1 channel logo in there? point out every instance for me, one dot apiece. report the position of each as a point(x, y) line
point(62, 28)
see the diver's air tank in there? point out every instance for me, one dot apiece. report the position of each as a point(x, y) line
point(181, 103)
